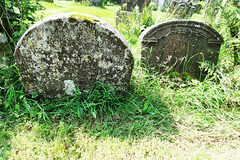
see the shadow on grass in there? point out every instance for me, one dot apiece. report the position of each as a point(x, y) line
point(101, 112)
point(143, 117)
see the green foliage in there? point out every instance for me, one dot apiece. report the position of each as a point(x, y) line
point(100, 101)
point(159, 116)
point(228, 15)
point(135, 24)
point(16, 16)
point(101, 110)
point(9, 82)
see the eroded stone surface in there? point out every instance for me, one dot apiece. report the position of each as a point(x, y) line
point(179, 46)
point(72, 48)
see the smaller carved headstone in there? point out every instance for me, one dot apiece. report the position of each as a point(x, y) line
point(70, 49)
point(179, 46)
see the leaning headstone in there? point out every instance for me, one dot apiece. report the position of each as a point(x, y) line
point(179, 46)
point(70, 50)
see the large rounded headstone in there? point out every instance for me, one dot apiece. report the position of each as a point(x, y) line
point(179, 46)
point(70, 49)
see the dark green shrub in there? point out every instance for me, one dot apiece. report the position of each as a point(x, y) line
point(16, 16)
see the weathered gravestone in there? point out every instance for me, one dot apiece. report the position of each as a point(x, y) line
point(72, 48)
point(97, 2)
point(183, 9)
point(93, 2)
point(179, 46)
point(129, 5)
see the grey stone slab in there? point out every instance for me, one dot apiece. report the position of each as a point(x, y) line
point(3, 38)
point(179, 46)
point(72, 48)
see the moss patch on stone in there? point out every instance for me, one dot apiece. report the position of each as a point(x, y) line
point(76, 17)
point(184, 76)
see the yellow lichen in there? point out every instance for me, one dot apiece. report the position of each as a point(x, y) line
point(38, 45)
point(86, 58)
point(30, 44)
point(83, 18)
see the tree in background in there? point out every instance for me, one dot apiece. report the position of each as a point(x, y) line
point(16, 16)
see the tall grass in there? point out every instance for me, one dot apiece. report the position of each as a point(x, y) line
point(135, 24)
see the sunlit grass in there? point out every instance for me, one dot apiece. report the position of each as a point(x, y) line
point(30, 142)
point(107, 13)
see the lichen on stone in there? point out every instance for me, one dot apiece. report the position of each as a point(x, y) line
point(72, 47)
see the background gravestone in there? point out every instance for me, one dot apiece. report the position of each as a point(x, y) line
point(5, 49)
point(72, 48)
point(129, 5)
point(51, 1)
point(97, 2)
point(93, 2)
point(3, 44)
point(178, 46)
point(183, 9)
